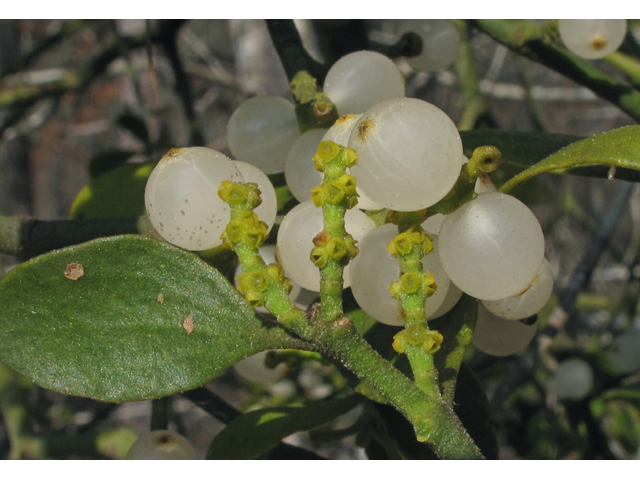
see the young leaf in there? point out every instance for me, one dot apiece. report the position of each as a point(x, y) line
point(126, 318)
point(255, 433)
point(117, 193)
point(619, 148)
point(521, 150)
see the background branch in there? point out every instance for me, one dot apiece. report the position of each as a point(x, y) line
point(533, 41)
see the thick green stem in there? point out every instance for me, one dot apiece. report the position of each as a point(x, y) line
point(294, 57)
point(26, 237)
point(435, 423)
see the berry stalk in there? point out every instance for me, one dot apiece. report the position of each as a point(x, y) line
point(261, 284)
point(412, 289)
point(334, 247)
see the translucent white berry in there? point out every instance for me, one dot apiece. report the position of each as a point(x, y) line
point(261, 131)
point(340, 131)
point(433, 224)
point(374, 269)
point(572, 380)
point(499, 337)
point(440, 43)
point(528, 303)
point(253, 369)
point(295, 241)
point(492, 247)
point(409, 154)
point(181, 197)
point(592, 38)
point(162, 445)
point(268, 209)
point(623, 353)
point(299, 170)
point(360, 80)
point(453, 296)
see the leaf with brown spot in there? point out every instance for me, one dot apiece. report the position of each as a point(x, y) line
point(188, 324)
point(74, 271)
point(102, 338)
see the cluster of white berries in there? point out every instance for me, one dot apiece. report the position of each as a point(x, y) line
point(409, 158)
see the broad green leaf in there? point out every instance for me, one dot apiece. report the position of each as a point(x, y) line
point(619, 148)
point(255, 433)
point(117, 193)
point(122, 330)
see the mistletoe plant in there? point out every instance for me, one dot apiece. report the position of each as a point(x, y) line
point(140, 310)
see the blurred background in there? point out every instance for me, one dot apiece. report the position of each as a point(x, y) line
point(76, 94)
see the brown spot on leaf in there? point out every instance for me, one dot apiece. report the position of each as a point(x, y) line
point(74, 271)
point(188, 324)
point(161, 299)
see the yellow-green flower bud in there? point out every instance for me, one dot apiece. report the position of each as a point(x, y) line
point(326, 152)
point(429, 283)
point(247, 229)
point(337, 190)
point(318, 196)
point(432, 342)
point(235, 193)
point(399, 342)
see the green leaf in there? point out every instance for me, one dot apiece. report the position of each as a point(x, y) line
point(108, 335)
point(619, 148)
point(256, 432)
point(519, 150)
point(117, 193)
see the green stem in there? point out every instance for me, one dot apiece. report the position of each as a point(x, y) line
point(261, 284)
point(160, 413)
point(457, 331)
point(334, 247)
point(26, 237)
point(629, 65)
point(293, 55)
point(485, 159)
point(434, 422)
point(465, 66)
point(534, 42)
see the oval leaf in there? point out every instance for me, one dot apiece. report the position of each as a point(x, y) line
point(619, 148)
point(255, 433)
point(117, 193)
point(126, 318)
